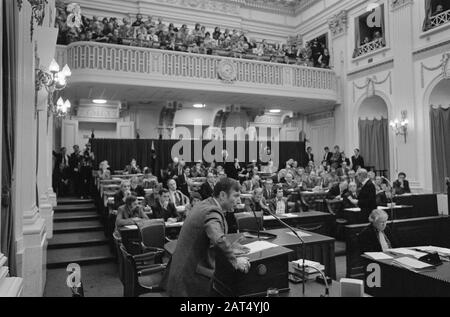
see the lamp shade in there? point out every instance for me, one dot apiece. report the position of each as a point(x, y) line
point(54, 67)
point(66, 71)
point(46, 45)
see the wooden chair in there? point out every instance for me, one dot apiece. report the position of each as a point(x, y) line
point(142, 273)
point(247, 221)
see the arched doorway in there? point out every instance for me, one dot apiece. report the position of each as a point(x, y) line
point(439, 109)
point(373, 124)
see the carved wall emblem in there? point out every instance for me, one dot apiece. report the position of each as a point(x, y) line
point(338, 23)
point(226, 70)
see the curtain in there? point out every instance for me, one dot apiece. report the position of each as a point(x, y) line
point(357, 38)
point(9, 16)
point(374, 143)
point(119, 152)
point(440, 147)
point(426, 23)
point(382, 22)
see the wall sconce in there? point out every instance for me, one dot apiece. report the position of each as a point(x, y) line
point(400, 127)
point(54, 80)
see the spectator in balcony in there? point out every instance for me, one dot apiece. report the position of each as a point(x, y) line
point(216, 34)
point(139, 21)
point(316, 50)
point(324, 59)
point(160, 27)
point(125, 29)
point(377, 36)
point(439, 10)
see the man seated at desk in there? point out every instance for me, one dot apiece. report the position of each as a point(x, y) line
point(351, 196)
point(207, 188)
point(338, 191)
point(279, 205)
point(122, 194)
point(377, 237)
point(401, 186)
point(289, 186)
point(269, 192)
point(250, 185)
point(384, 197)
point(136, 189)
point(130, 213)
point(176, 197)
point(257, 203)
point(164, 208)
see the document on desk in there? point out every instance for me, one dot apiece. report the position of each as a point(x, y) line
point(259, 246)
point(411, 263)
point(439, 250)
point(378, 256)
point(300, 233)
point(405, 251)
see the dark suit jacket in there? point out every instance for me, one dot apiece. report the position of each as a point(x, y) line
point(182, 185)
point(357, 162)
point(327, 157)
point(206, 191)
point(334, 192)
point(159, 212)
point(118, 200)
point(138, 191)
point(368, 239)
point(367, 198)
point(399, 190)
point(192, 265)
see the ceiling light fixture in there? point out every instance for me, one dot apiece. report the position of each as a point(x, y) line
point(199, 106)
point(99, 101)
point(275, 111)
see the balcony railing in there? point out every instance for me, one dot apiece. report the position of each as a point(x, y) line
point(149, 63)
point(370, 47)
point(440, 19)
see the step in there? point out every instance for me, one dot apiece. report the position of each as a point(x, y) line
point(76, 215)
point(82, 256)
point(74, 201)
point(77, 226)
point(77, 239)
point(72, 208)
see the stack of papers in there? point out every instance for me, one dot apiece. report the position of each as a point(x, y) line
point(308, 264)
point(259, 246)
point(405, 251)
point(412, 264)
point(440, 251)
point(378, 256)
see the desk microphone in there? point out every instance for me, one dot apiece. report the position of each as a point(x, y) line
point(294, 231)
point(257, 223)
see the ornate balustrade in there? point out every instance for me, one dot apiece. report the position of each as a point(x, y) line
point(370, 47)
point(440, 19)
point(146, 63)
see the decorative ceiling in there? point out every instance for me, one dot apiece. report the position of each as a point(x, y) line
point(290, 6)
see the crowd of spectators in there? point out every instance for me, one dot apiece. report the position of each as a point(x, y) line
point(155, 33)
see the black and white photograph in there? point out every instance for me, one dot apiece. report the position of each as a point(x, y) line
point(210, 154)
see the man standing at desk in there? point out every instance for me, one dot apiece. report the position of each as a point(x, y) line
point(367, 198)
point(193, 263)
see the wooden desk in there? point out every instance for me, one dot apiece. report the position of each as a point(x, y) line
point(319, 248)
point(423, 205)
point(409, 232)
point(309, 199)
point(354, 215)
point(400, 282)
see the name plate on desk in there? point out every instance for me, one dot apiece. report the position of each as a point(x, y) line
point(269, 269)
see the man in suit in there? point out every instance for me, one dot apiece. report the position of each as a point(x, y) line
point(367, 198)
point(164, 208)
point(337, 191)
point(268, 192)
point(327, 156)
point(207, 188)
point(130, 213)
point(401, 185)
point(257, 202)
point(61, 172)
point(252, 184)
point(183, 181)
point(204, 232)
point(176, 196)
point(357, 160)
point(74, 166)
point(377, 237)
point(309, 156)
point(279, 205)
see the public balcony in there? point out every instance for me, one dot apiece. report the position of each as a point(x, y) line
point(136, 73)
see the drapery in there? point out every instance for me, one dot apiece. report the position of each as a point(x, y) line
point(374, 142)
point(119, 152)
point(9, 16)
point(426, 23)
point(440, 147)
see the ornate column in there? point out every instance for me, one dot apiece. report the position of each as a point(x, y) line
point(403, 98)
point(31, 236)
point(340, 57)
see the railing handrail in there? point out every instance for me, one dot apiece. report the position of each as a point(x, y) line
point(376, 41)
point(443, 15)
point(146, 49)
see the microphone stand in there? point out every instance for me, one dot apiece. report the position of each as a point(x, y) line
point(294, 231)
point(257, 223)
